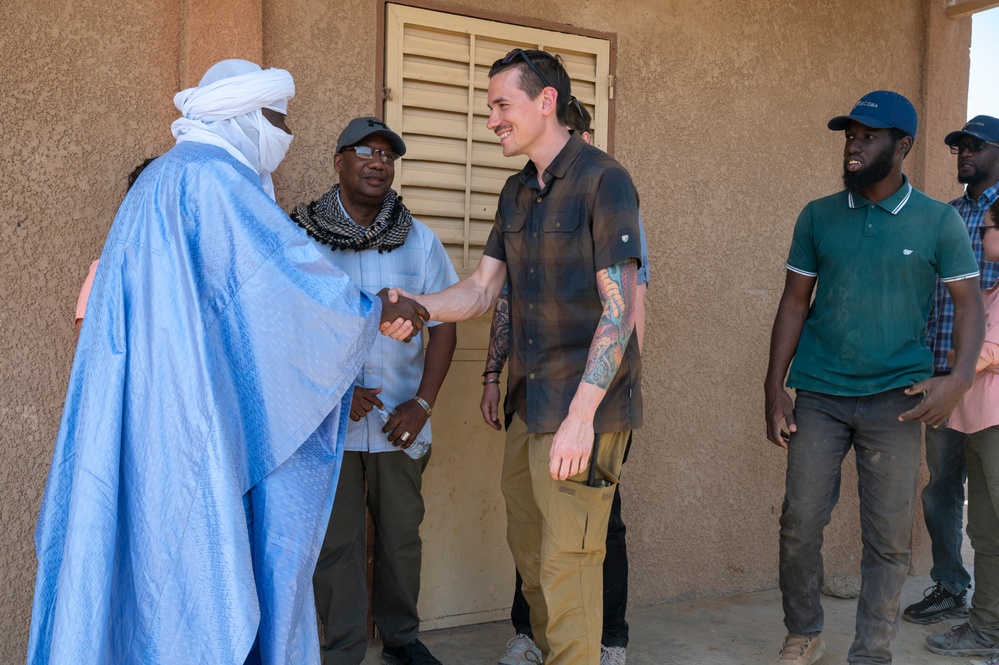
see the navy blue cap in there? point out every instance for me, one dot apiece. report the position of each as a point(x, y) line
point(360, 128)
point(881, 109)
point(983, 127)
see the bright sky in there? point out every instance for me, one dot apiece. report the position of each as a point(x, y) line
point(983, 85)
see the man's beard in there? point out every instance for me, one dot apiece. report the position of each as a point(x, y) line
point(874, 173)
point(975, 178)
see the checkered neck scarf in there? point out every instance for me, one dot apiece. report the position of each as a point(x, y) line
point(325, 220)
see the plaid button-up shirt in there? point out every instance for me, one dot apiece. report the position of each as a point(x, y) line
point(554, 240)
point(940, 327)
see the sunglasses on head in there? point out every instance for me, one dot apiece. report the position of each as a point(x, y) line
point(521, 53)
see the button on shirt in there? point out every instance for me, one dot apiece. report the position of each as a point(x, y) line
point(420, 265)
point(939, 331)
point(554, 240)
point(876, 265)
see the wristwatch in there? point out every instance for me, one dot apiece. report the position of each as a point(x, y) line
point(426, 406)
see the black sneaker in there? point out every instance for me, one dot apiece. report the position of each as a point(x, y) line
point(413, 653)
point(937, 604)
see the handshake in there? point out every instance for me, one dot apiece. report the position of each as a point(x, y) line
point(402, 317)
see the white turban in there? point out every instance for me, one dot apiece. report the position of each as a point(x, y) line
point(224, 110)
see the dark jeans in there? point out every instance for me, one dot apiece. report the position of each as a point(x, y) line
point(943, 506)
point(887, 454)
point(615, 632)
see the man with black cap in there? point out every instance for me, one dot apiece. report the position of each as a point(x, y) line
point(861, 369)
point(977, 150)
point(362, 226)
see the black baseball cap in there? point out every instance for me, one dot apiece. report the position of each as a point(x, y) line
point(983, 127)
point(360, 128)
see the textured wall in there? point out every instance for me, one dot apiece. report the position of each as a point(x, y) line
point(721, 111)
point(213, 31)
point(943, 109)
point(88, 92)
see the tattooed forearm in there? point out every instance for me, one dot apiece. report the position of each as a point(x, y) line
point(499, 336)
point(617, 286)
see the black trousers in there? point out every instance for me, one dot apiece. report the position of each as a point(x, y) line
point(615, 632)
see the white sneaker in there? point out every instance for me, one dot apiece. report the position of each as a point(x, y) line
point(520, 650)
point(800, 650)
point(612, 655)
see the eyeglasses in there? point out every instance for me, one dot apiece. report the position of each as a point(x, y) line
point(366, 153)
point(970, 146)
point(982, 229)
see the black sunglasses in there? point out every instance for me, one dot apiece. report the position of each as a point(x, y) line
point(983, 228)
point(970, 146)
point(521, 53)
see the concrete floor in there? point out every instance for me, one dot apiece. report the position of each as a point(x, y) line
point(723, 630)
point(745, 629)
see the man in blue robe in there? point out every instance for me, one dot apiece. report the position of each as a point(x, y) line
point(196, 461)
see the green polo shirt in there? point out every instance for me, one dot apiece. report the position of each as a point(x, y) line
point(876, 266)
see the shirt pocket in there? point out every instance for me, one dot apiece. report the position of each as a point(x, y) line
point(405, 272)
point(562, 222)
point(565, 244)
point(514, 223)
point(409, 280)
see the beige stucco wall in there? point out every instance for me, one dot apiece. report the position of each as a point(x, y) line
point(720, 116)
point(87, 90)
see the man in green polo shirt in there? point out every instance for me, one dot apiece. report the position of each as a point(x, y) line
point(862, 371)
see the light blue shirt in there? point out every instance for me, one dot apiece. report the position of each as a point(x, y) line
point(643, 271)
point(421, 265)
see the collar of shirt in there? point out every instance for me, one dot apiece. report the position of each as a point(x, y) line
point(893, 204)
point(986, 200)
point(559, 166)
point(344, 210)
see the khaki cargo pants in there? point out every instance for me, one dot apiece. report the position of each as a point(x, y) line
point(557, 531)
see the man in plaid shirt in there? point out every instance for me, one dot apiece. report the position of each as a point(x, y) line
point(567, 240)
point(977, 150)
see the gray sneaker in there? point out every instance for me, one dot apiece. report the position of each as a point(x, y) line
point(521, 650)
point(612, 655)
point(962, 640)
point(800, 650)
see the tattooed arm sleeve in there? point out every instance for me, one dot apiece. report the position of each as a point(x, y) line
point(499, 336)
point(617, 286)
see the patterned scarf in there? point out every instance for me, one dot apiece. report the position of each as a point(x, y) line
point(324, 220)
